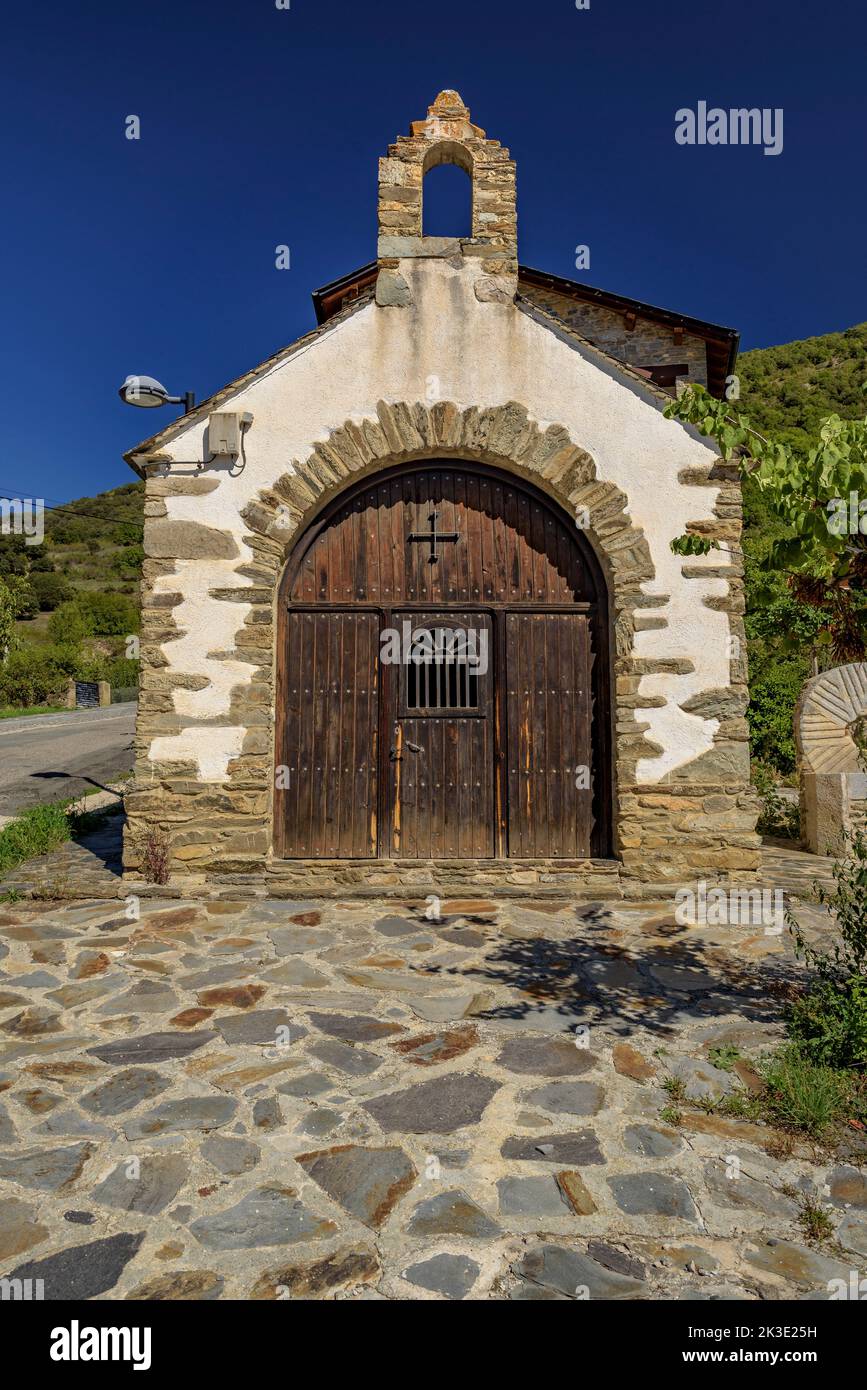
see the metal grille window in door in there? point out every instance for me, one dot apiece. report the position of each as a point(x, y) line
point(443, 670)
point(441, 802)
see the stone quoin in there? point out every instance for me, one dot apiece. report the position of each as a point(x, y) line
point(467, 442)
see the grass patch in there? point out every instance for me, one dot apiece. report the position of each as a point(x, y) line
point(737, 1106)
point(36, 831)
point(708, 1104)
point(52, 891)
point(17, 712)
point(41, 829)
point(800, 1097)
point(814, 1221)
point(802, 1094)
point(816, 1083)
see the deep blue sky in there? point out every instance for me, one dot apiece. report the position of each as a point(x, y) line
point(263, 126)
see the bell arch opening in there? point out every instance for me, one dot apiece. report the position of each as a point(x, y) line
point(443, 675)
point(447, 202)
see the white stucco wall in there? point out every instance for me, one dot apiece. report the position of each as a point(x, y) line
point(449, 346)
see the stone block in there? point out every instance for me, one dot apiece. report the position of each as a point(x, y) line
point(188, 540)
point(826, 811)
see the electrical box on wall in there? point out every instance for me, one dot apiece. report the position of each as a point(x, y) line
point(224, 434)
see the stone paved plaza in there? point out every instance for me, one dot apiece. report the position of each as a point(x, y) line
point(290, 1099)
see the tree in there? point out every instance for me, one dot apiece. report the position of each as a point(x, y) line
point(68, 624)
point(51, 589)
point(93, 614)
point(15, 595)
point(14, 555)
point(108, 614)
point(819, 495)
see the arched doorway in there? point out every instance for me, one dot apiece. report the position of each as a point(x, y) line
point(442, 675)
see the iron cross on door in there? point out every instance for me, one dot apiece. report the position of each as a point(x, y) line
point(433, 537)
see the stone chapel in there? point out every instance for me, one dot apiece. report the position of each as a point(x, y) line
point(411, 620)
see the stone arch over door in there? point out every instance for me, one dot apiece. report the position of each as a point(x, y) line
point(496, 748)
point(505, 437)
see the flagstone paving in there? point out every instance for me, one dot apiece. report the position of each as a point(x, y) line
point(265, 1100)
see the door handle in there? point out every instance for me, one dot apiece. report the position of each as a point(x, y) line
point(397, 757)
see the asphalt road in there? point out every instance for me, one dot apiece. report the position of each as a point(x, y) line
point(45, 757)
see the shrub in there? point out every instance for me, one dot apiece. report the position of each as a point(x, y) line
point(121, 673)
point(125, 533)
point(829, 1024)
point(130, 558)
point(775, 687)
point(26, 600)
point(777, 816)
point(154, 851)
point(94, 615)
point(51, 590)
point(68, 624)
point(40, 559)
point(847, 904)
point(112, 615)
point(108, 615)
point(36, 676)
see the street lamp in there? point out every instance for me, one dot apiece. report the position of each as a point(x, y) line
point(147, 392)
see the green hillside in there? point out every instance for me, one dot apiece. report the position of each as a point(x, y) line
point(76, 597)
point(93, 543)
point(786, 391)
point(97, 541)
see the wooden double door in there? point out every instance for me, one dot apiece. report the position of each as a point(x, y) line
point(441, 677)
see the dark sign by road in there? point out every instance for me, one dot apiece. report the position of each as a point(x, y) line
point(86, 694)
